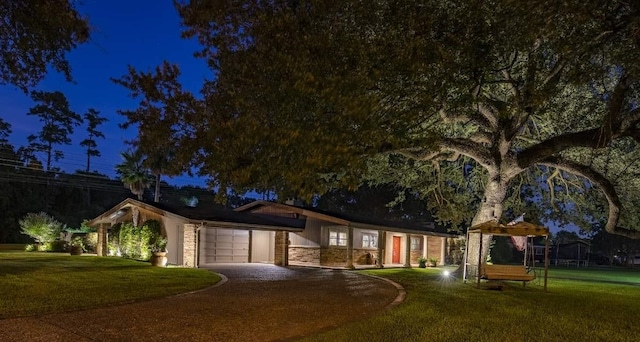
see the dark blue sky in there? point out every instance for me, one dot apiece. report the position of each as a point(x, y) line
point(141, 33)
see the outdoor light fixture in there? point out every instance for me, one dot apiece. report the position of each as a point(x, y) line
point(117, 214)
point(446, 273)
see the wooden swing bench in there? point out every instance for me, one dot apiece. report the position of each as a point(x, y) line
point(507, 272)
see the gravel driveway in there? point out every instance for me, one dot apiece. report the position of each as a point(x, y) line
point(259, 302)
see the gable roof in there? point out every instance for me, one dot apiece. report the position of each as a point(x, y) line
point(350, 220)
point(197, 215)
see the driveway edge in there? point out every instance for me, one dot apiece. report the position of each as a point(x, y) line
point(402, 293)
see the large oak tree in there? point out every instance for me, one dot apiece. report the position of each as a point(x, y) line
point(477, 97)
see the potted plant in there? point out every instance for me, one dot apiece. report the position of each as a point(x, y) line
point(76, 246)
point(159, 250)
point(422, 262)
point(433, 262)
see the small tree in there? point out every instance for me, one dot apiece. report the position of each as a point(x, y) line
point(93, 119)
point(41, 227)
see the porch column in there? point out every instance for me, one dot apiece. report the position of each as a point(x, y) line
point(443, 251)
point(350, 247)
point(407, 252)
point(101, 247)
point(189, 246)
point(425, 247)
point(281, 253)
point(381, 243)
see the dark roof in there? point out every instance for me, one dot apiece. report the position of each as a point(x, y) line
point(429, 227)
point(221, 214)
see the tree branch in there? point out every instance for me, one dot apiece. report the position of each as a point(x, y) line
point(601, 182)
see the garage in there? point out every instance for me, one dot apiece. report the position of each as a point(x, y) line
point(218, 245)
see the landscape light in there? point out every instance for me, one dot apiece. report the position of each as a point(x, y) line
point(446, 273)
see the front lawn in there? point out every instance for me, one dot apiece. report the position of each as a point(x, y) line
point(37, 283)
point(439, 309)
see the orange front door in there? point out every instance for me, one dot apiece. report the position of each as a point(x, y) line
point(395, 252)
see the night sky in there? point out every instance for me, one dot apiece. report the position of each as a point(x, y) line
point(141, 33)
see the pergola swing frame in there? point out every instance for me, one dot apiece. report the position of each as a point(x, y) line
point(518, 229)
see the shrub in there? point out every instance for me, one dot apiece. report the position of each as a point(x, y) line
point(77, 241)
point(137, 242)
point(41, 227)
point(90, 242)
point(55, 246)
point(30, 248)
point(113, 239)
point(128, 241)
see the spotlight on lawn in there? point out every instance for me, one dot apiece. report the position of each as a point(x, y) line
point(446, 274)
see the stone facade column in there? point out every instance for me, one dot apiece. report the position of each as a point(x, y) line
point(281, 253)
point(101, 247)
point(350, 248)
point(407, 252)
point(443, 251)
point(190, 246)
point(381, 243)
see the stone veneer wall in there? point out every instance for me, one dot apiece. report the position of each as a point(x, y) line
point(337, 256)
point(189, 252)
point(307, 255)
point(281, 255)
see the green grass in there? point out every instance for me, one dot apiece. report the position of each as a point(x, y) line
point(437, 309)
point(597, 274)
point(37, 283)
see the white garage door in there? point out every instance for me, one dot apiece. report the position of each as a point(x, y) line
point(224, 245)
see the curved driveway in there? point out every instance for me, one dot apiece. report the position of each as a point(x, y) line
point(257, 303)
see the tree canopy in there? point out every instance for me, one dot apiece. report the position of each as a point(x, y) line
point(36, 35)
point(475, 105)
point(481, 98)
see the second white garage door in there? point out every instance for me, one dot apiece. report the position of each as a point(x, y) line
point(224, 245)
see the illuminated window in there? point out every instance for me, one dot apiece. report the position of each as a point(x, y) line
point(369, 240)
point(337, 238)
point(415, 243)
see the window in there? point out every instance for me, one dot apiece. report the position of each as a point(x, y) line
point(337, 238)
point(415, 243)
point(369, 240)
point(539, 251)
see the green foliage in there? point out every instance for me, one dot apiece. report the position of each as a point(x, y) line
point(133, 173)
point(483, 108)
point(58, 121)
point(30, 248)
point(57, 246)
point(40, 33)
point(90, 242)
point(85, 228)
point(78, 242)
point(93, 119)
point(138, 242)
point(113, 245)
point(41, 227)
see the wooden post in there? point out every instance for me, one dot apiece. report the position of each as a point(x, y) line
point(479, 261)
point(425, 247)
point(546, 262)
point(443, 250)
point(407, 252)
point(350, 248)
point(101, 247)
point(381, 242)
